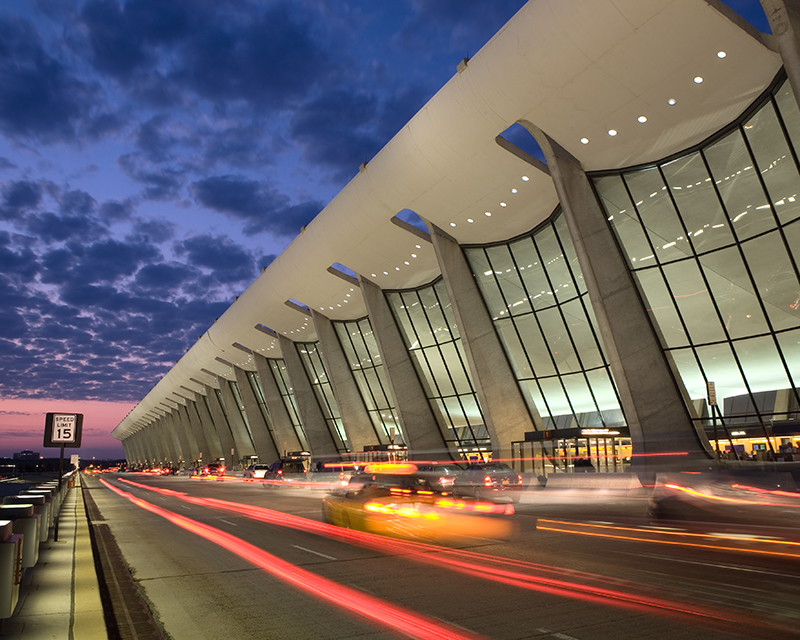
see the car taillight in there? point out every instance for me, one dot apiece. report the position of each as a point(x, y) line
point(519, 479)
point(487, 481)
point(446, 482)
point(280, 472)
point(222, 469)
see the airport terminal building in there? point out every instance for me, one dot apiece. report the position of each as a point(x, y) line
point(634, 296)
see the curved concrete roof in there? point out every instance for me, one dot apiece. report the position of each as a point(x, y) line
point(574, 68)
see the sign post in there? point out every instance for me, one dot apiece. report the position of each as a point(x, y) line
point(62, 430)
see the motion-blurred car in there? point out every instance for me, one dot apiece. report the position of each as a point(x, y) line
point(492, 481)
point(396, 500)
point(441, 475)
point(259, 470)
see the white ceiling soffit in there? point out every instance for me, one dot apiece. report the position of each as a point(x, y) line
point(574, 68)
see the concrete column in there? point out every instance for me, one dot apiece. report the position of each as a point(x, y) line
point(194, 428)
point(420, 428)
point(184, 428)
point(784, 21)
point(126, 452)
point(138, 447)
point(266, 449)
point(504, 409)
point(167, 441)
point(282, 426)
point(209, 427)
point(654, 408)
point(356, 420)
point(230, 451)
point(320, 440)
point(244, 443)
point(153, 456)
point(183, 445)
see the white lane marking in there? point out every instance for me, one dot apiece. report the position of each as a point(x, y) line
point(316, 553)
point(564, 636)
point(185, 507)
point(716, 565)
point(233, 524)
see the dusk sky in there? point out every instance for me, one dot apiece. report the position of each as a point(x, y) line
point(156, 154)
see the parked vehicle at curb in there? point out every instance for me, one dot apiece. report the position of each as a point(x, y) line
point(259, 470)
point(492, 481)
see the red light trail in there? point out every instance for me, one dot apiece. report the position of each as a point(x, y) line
point(483, 566)
point(379, 611)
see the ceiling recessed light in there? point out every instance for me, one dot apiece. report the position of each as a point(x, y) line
point(373, 275)
point(417, 246)
point(470, 220)
point(413, 255)
point(386, 273)
point(488, 214)
point(525, 178)
point(612, 132)
point(503, 204)
point(452, 224)
point(671, 102)
point(642, 119)
point(721, 55)
point(698, 80)
point(407, 263)
point(584, 140)
point(514, 191)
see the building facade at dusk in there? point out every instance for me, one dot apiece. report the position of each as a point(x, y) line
point(636, 293)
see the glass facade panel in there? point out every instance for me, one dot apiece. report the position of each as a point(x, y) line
point(625, 221)
point(735, 175)
point(317, 376)
point(738, 294)
point(761, 364)
point(441, 365)
point(776, 279)
point(658, 215)
point(555, 263)
point(733, 292)
point(278, 367)
point(693, 301)
point(775, 162)
point(695, 196)
point(358, 342)
point(515, 298)
point(533, 277)
point(553, 346)
point(571, 256)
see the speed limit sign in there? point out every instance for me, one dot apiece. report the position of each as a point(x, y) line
point(63, 430)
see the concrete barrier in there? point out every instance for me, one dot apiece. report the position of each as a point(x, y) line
point(610, 482)
point(40, 507)
point(10, 568)
point(25, 522)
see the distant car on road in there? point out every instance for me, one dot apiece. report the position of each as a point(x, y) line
point(259, 470)
point(441, 475)
point(492, 481)
point(215, 468)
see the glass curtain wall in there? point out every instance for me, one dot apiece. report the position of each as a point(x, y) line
point(361, 350)
point(315, 369)
point(426, 319)
point(255, 385)
point(281, 376)
point(534, 290)
point(713, 240)
point(237, 396)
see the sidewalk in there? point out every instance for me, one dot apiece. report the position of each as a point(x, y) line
point(59, 597)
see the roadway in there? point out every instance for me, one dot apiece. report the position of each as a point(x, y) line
point(218, 559)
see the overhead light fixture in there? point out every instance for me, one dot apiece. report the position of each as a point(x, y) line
point(503, 204)
point(525, 178)
point(721, 55)
point(488, 214)
point(584, 140)
point(470, 220)
point(612, 132)
point(514, 191)
point(642, 119)
point(452, 224)
point(671, 102)
point(698, 80)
